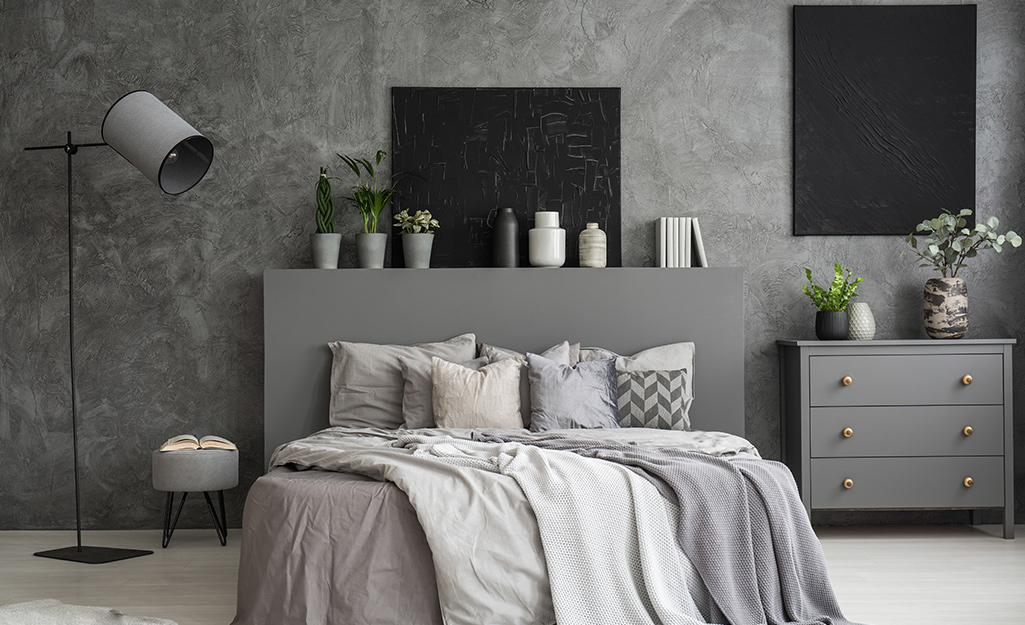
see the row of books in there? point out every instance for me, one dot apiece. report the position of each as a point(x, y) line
point(188, 441)
point(678, 242)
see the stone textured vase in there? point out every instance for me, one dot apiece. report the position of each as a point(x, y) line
point(547, 241)
point(593, 246)
point(416, 249)
point(325, 247)
point(946, 308)
point(505, 239)
point(370, 247)
point(831, 325)
point(862, 323)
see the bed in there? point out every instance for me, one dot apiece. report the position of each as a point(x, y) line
point(476, 525)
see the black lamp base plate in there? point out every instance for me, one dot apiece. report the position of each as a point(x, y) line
point(92, 555)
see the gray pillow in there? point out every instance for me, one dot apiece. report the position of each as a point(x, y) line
point(418, 390)
point(560, 353)
point(486, 398)
point(674, 356)
point(654, 399)
point(564, 397)
point(366, 380)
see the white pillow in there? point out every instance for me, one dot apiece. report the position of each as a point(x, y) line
point(562, 353)
point(486, 398)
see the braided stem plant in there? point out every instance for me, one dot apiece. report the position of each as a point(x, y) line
point(325, 204)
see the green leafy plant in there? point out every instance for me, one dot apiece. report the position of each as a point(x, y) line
point(325, 204)
point(371, 197)
point(949, 243)
point(839, 294)
point(421, 222)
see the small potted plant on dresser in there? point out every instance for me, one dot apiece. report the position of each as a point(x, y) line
point(831, 323)
point(417, 237)
point(371, 198)
point(948, 243)
point(325, 242)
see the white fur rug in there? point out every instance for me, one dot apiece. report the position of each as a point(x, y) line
point(53, 612)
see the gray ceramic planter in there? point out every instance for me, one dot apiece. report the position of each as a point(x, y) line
point(325, 247)
point(416, 250)
point(370, 247)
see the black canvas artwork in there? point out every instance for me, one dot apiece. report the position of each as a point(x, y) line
point(884, 116)
point(489, 148)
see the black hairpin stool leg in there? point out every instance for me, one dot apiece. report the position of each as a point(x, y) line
point(168, 524)
point(220, 524)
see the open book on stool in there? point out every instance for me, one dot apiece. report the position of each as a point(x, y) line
point(188, 441)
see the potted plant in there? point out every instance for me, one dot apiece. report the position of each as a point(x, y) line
point(831, 323)
point(325, 242)
point(417, 237)
point(948, 243)
point(371, 197)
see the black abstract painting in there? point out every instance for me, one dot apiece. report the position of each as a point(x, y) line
point(480, 149)
point(884, 116)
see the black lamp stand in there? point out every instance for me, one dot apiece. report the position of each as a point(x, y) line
point(79, 553)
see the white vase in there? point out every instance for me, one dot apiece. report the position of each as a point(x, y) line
point(546, 241)
point(862, 325)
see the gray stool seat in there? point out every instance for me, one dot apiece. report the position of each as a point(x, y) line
point(195, 470)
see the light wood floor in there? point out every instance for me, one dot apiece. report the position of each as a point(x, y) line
point(882, 575)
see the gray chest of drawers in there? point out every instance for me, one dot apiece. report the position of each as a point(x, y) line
point(899, 424)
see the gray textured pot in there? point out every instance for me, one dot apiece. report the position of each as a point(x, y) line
point(946, 308)
point(370, 248)
point(325, 246)
point(831, 325)
point(416, 249)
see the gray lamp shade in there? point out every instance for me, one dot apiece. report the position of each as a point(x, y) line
point(163, 146)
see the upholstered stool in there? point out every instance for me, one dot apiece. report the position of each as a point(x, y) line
point(194, 470)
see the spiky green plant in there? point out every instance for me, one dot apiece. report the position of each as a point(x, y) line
point(839, 293)
point(325, 204)
point(370, 197)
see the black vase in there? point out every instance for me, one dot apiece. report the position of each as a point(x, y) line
point(505, 241)
point(831, 325)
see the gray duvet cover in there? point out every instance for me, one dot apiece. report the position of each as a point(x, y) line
point(321, 547)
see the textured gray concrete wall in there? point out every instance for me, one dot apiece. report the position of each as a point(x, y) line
point(169, 317)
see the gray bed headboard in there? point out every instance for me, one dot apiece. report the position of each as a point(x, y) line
point(623, 309)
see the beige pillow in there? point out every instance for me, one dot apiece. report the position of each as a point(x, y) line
point(366, 379)
point(486, 398)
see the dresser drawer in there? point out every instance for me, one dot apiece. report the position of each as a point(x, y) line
point(907, 482)
point(907, 431)
point(902, 380)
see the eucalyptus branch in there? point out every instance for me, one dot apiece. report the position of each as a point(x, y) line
point(948, 242)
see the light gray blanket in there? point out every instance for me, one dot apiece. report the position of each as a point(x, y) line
point(741, 523)
point(487, 542)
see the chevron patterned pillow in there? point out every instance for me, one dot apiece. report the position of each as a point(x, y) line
point(654, 399)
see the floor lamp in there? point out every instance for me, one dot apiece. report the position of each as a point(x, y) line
point(172, 154)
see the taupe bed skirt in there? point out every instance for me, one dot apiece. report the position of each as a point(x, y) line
point(324, 547)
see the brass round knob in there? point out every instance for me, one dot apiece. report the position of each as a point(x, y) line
point(848, 432)
point(966, 380)
point(967, 431)
point(968, 482)
point(849, 483)
point(847, 380)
